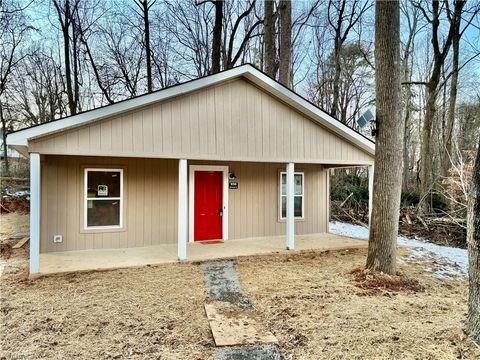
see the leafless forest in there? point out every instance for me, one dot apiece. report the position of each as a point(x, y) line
point(62, 57)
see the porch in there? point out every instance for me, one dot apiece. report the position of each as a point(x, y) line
point(101, 259)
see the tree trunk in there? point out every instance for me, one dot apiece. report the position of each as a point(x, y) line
point(387, 182)
point(439, 55)
point(406, 144)
point(447, 151)
point(336, 77)
point(425, 148)
point(76, 86)
point(66, 50)
point(4, 139)
point(148, 50)
point(473, 240)
point(217, 37)
point(269, 38)
point(285, 11)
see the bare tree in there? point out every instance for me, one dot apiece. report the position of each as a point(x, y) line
point(343, 15)
point(270, 51)
point(285, 57)
point(387, 183)
point(217, 37)
point(412, 15)
point(145, 6)
point(457, 35)
point(473, 240)
point(12, 34)
point(66, 12)
point(230, 55)
point(440, 53)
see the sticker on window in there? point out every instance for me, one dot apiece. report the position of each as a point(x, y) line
point(102, 190)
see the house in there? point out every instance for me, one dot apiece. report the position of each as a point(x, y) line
point(232, 155)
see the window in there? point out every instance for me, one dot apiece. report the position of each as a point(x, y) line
point(103, 198)
point(297, 198)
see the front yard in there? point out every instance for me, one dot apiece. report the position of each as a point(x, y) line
point(317, 304)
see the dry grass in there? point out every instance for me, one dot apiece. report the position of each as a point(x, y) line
point(319, 306)
point(313, 305)
point(13, 223)
point(153, 312)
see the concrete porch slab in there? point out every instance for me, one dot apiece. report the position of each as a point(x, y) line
point(101, 259)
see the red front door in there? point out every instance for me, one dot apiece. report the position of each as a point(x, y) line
point(208, 205)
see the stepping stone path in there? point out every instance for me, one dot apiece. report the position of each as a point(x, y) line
point(223, 283)
point(232, 319)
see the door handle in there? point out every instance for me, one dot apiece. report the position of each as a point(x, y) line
point(220, 212)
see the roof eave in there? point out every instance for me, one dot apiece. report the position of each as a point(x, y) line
point(21, 137)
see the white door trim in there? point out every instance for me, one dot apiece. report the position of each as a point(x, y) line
point(191, 200)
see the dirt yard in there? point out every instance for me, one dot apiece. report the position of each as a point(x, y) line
point(319, 306)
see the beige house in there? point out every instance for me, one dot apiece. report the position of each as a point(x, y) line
point(234, 155)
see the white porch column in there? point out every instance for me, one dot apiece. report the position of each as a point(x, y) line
point(290, 207)
point(182, 209)
point(34, 264)
point(371, 169)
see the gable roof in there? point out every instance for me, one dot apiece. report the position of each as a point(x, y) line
point(19, 139)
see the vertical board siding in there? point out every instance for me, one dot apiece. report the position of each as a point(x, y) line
point(149, 195)
point(254, 206)
point(150, 202)
point(231, 121)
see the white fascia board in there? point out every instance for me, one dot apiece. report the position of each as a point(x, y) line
point(311, 111)
point(21, 137)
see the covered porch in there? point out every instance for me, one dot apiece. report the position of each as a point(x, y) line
point(102, 259)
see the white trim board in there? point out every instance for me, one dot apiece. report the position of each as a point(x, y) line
point(191, 198)
point(21, 137)
point(86, 199)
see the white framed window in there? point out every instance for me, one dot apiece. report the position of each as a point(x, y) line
point(103, 199)
point(298, 201)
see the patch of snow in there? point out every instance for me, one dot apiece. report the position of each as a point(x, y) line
point(447, 261)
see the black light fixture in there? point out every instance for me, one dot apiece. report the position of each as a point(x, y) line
point(232, 176)
point(373, 127)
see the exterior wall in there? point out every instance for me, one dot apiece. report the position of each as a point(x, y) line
point(234, 121)
point(150, 202)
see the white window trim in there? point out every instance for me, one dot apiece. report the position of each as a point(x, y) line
point(280, 195)
point(191, 200)
point(86, 198)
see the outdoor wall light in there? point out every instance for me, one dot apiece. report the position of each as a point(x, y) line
point(373, 127)
point(232, 176)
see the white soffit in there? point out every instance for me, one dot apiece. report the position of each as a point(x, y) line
point(21, 137)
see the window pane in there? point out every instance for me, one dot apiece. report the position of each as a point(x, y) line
point(298, 179)
point(103, 212)
point(284, 184)
point(103, 184)
point(297, 204)
point(284, 206)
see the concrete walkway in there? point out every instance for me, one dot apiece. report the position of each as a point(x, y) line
point(98, 259)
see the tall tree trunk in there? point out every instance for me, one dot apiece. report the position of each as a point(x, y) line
point(217, 37)
point(387, 183)
point(285, 66)
point(66, 51)
point(425, 147)
point(406, 144)
point(148, 50)
point(4, 140)
point(447, 151)
point(439, 55)
point(75, 53)
point(473, 240)
point(336, 77)
point(270, 52)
